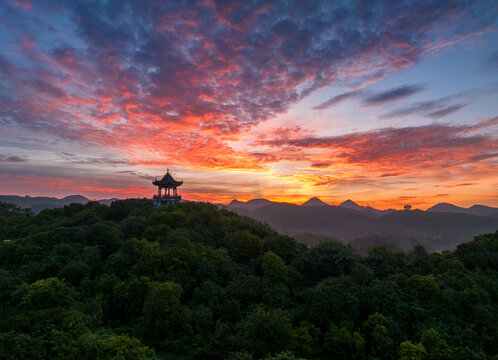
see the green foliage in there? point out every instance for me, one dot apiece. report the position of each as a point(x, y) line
point(47, 293)
point(116, 347)
point(284, 355)
point(192, 281)
point(274, 267)
point(424, 289)
point(378, 337)
point(482, 252)
point(409, 351)
point(304, 337)
point(341, 344)
point(327, 259)
point(163, 309)
point(437, 348)
point(243, 245)
point(265, 331)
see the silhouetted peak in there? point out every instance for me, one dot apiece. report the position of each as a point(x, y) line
point(350, 204)
point(482, 210)
point(314, 201)
point(259, 201)
point(75, 198)
point(249, 205)
point(446, 207)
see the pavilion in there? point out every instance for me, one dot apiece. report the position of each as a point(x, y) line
point(170, 194)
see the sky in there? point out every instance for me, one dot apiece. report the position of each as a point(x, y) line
point(386, 103)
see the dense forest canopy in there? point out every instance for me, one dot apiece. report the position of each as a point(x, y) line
point(128, 281)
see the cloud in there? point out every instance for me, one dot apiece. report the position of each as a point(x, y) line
point(336, 100)
point(209, 68)
point(419, 107)
point(398, 150)
point(484, 156)
point(393, 94)
point(138, 174)
point(432, 109)
point(373, 99)
point(321, 164)
point(7, 158)
point(456, 185)
point(446, 110)
point(85, 160)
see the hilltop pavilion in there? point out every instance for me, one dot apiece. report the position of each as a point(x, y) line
point(170, 194)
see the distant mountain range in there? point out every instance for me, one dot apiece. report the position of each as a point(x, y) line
point(39, 203)
point(441, 227)
point(480, 210)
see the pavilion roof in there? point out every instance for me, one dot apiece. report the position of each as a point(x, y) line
point(167, 181)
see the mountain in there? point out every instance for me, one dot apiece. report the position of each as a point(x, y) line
point(479, 210)
point(324, 220)
point(107, 201)
point(447, 207)
point(364, 227)
point(248, 205)
point(39, 203)
point(314, 201)
point(75, 199)
point(350, 204)
point(482, 210)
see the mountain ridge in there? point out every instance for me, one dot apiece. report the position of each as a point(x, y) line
point(480, 210)
point(435, 230)
point(314, 201)
point(39, 203)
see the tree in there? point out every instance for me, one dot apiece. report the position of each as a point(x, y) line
point(74, 272)
point(333, 299)
point(327, 259)
point(92, 347)
point(304, 338)
point(424, 289)
point(378, 339)
point(437, 348)
point(47, 293)
point(265, 331)
point(274, 267)
point(410, 351)
point(14, 346)
point(284, 246)
point(244, 246)
point(342, 344)
point(163, 308)
point(284, 355)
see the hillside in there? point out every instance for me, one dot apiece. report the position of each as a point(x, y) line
point(363, 226)
point(39, 203)
point(128, 281)
point(478, 210)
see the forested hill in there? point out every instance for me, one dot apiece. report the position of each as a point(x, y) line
point(132, 282)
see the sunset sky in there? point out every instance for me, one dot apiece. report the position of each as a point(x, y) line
point(384, 102)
